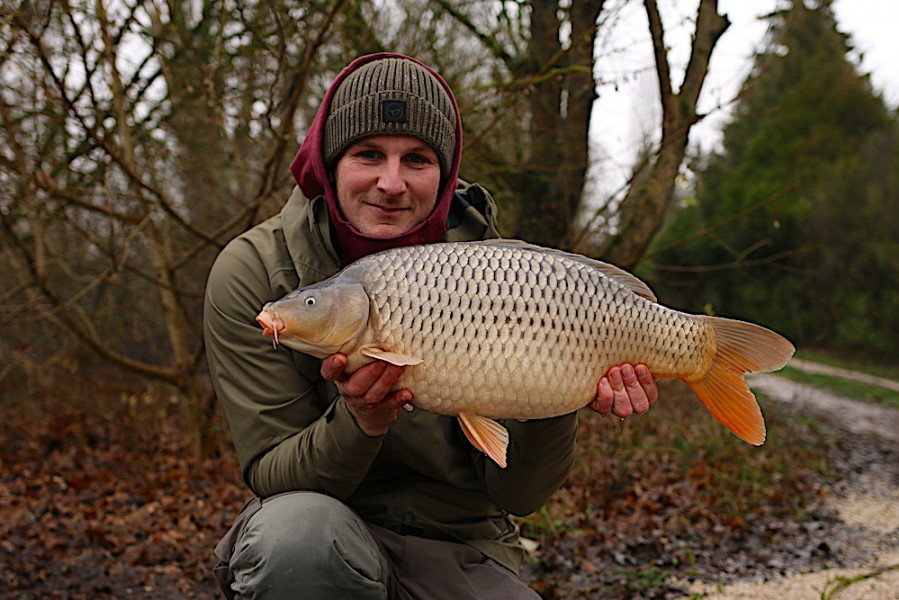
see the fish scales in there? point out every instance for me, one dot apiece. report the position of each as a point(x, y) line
point(504, 329)
point(522, 347)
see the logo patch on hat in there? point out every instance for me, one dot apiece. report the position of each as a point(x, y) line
point(393, 111)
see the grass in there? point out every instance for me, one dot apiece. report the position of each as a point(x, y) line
point(838, 584)
point(844, 387)
point(889, 370)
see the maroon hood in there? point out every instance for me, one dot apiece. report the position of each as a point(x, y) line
point(309, 171)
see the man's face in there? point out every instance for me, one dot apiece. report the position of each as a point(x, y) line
point(387, 184)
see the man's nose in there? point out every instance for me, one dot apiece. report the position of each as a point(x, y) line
point(391, 181)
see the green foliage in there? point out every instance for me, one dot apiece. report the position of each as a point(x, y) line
point(794, 220)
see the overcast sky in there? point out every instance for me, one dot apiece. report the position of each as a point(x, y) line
point(626, 111)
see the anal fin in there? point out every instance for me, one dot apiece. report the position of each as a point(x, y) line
point(486, 435)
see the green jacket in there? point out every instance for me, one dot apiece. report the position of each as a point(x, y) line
point(292, 431)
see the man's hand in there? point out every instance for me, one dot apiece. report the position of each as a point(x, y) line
point(367, 392)
point(625, 390)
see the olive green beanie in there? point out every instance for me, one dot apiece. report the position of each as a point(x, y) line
point(391, 96)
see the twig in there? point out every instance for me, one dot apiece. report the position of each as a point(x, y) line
point(841, 583)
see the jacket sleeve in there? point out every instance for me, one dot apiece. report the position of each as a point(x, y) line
point(290, 429)
point(540, 457)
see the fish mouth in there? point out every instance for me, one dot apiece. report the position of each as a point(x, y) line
point(271, 322)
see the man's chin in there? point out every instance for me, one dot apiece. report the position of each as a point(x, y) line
point(385, 230)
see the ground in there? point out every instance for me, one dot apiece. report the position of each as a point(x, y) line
point(104, 499)
point(822, 536)
point(867, 503)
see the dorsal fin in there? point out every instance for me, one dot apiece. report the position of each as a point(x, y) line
point(628, 280)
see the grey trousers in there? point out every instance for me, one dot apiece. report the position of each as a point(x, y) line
point(311, 546)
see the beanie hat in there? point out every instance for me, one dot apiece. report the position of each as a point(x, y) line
point(391, 96)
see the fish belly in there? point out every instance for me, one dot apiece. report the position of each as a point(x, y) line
point(512, 333)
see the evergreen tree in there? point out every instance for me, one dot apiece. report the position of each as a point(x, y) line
point(790, 226)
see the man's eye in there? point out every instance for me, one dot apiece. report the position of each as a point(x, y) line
point(369, 154)
point(417, 159)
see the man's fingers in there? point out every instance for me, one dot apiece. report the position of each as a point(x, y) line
point(621, 403)
point(647, 382)
point(604, 396)
point(333, 366)
point(625, 390)
point(367, 392)
point(399, 398)
point(371, 382)
point(635, 393)
point(385, 381)
point(359, 383)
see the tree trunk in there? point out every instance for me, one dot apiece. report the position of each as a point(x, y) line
point(642, 212)
point(543, 214)
point(560, 99)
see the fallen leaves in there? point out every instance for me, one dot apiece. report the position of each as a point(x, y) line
point(669, 497)
point(98, 501)
point(100, 504)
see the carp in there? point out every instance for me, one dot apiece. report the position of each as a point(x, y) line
point(502, 329)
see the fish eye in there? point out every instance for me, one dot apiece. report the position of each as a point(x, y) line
point(310, 301)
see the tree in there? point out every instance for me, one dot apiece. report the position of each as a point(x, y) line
point(649, 198)
point(140, 137)
point(794, 196)
point(540, 165)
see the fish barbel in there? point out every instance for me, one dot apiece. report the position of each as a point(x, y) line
point(504, 329)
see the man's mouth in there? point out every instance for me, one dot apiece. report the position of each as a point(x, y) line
point(390, 210)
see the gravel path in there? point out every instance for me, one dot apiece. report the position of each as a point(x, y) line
point(844, 413)
point(868, 504)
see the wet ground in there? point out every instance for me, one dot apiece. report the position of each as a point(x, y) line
point(866, 503)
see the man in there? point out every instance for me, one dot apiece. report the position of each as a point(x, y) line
point(354, 497)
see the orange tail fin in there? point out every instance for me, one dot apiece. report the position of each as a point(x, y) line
point(741, 348)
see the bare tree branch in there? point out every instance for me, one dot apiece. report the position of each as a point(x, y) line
point(642, 211)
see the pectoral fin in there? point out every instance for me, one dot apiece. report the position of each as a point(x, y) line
point(394, 358)
point(486, 435)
